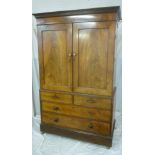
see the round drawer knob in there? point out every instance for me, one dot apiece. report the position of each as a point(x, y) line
point(55, 108)
point(55, 96)
point(90, 126)
point(56, 120)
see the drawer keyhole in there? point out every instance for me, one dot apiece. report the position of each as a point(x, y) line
point(90, 101)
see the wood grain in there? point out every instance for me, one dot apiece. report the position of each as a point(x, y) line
point(77, 111)
point(101, 10)
point(78, 135)
point(76, 123)
point(55, 52)
point(93, 102)
point(56, 97)
point(93, 46)
point(77, 18)
point(76, 63)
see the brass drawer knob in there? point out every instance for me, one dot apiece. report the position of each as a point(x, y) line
point(91, 101)
point(74, 55)
point(56, 120)
point(55, 108)
point(90, 126)
point(70, 54)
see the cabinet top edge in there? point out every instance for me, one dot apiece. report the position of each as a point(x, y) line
point(115, 9)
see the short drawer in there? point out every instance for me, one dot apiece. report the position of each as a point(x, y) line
point(71, 110)
point(94, 102)
point(56, 97)
point(101, 128)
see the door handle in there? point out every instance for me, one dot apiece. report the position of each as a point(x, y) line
point(74, 55)
point(69, 56)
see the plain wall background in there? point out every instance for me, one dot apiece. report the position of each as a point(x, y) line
point(39, 6)
point(58, 5)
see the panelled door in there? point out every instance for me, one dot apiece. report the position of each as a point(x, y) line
point(55, 54)
point(93, 47)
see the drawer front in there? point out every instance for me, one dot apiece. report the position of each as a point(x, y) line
point(76, 123)
point(56, 97)
point(71, 110)
point(93, 102)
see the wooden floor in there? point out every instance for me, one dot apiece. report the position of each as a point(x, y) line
point(49, 144)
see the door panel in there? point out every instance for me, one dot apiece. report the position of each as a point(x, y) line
point(93, 47)
point(55, 54)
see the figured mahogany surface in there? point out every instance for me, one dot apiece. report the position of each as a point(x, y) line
point(76, 64)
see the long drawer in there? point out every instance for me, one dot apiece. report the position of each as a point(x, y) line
point(72, 110)
point(101, 128)
point(93, 102)
point(56, 97)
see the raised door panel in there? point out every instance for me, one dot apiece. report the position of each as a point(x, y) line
point(55, 48)
point(93, 45)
